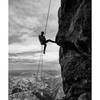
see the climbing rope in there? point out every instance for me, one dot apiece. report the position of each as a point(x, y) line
point(40, 64)
point(47, 17)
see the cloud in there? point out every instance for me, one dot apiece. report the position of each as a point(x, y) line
point(48, 57)
point(51, 53)
point(27, 18)
point(31, 15)
point(28, 45)
point(14, 38)
point(27, 56)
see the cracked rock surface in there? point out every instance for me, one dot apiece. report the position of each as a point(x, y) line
point(74, 39)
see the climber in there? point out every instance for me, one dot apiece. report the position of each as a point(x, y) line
point(43, 41)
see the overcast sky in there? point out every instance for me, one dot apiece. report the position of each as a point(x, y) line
point(27, 19)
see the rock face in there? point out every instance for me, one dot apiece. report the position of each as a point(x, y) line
point(74, 39)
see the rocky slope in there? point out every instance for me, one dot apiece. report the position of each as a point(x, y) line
point(74, 39)
point(25, 85)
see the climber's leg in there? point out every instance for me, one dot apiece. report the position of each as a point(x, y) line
point(50, 41)
point(45, 45)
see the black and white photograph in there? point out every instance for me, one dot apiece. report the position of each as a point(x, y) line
point(49, 49)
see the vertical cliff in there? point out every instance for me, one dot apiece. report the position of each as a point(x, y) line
point(74, 39)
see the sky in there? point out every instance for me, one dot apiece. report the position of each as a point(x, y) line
point(27, 18)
